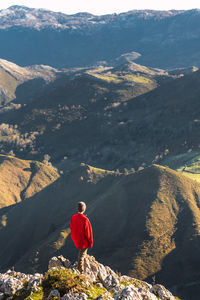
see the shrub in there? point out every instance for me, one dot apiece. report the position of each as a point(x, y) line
point(65, 281)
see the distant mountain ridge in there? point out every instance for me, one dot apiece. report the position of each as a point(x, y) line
point(12, 75)
point(165, 39)
point(40, 18)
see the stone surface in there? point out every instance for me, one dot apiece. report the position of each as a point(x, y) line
point(105, 296)
point(111, 283)
point(58, 261)
point(122, 287)
point(160, 291)
point(128, 293)
point(10, 285)
point(35, 282)
point(54, 294)
point(74, 296)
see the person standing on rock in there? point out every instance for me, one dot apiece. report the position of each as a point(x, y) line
point(81, 234)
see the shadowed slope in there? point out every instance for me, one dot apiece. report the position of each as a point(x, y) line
point(140, 221)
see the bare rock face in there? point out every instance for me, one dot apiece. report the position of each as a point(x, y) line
point(59, 261)
point(112, 285)
point(105, 296)
point(129, 293)
point(2, 296)
point(11, 282)
point(123, 287)
point(160, 291)
point(35, 282)
point(54, 294)
point(74, 296)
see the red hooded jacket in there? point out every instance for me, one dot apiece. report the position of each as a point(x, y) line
point(81, 231)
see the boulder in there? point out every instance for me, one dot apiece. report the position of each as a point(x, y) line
point(146, 294)
point(105, 296)
point(160, 291)
point(2, 296)
point(112, 284)
point(128, 293)
point(75, 296)
point(54, 294)
point(35, 281)
point(58, 261)
point(10, 285)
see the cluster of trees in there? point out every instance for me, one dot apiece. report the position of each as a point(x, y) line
point(13, 140)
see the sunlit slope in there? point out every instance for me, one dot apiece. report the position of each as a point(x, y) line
point(187, 164)
point(21, 179)
point(144, 223)
point(141, 78)
point(12, 76)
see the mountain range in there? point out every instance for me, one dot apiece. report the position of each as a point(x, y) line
point(151, 218)
point(56, 111)
point(109, 118)
point(102, 109)
point(164, 39)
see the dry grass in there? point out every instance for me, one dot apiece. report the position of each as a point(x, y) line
point(21, 179)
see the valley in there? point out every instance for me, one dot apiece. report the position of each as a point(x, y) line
point(97, 112)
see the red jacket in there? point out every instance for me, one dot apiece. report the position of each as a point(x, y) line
point(81, 231)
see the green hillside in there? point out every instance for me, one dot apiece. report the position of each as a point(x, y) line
point(186, 163)
point(145, 224)
point(140, 78)
point(21, 179)
point(102, 122)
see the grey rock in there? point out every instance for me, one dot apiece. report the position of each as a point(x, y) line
point(75, 296)
point(59, 261)
point(105, 296)
point(10, 285)
point(112, 283)
point(54, 294)
point(128, 293)
point(160, 291)
point(2, 296)
point(35, 281)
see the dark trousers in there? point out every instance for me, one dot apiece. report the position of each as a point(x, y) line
point(81, 255)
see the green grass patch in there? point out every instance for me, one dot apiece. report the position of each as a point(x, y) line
point(26, 294)
point(187, 164)
point(108, 77)
point(138, 79)
point(65, 281)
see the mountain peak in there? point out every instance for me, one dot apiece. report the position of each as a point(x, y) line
point(15, 7)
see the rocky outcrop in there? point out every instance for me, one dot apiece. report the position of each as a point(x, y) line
point(11, 282)
point(96, 275)
point(117, 287)
point(58, 261)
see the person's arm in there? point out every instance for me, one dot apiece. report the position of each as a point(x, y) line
point(88, 233)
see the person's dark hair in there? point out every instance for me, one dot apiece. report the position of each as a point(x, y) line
point(81, 207)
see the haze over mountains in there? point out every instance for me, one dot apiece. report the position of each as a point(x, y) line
point(164, 39)
point(113, 103)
